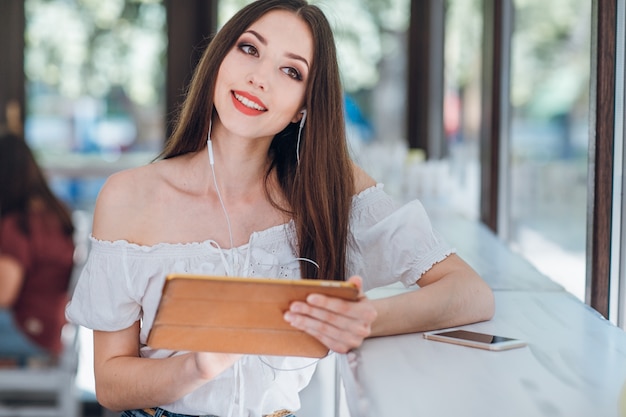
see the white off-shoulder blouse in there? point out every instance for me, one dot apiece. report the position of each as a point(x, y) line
point(122, 282)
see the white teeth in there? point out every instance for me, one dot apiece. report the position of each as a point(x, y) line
point(248, 103)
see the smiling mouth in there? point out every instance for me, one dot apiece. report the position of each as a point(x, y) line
point(248, 103)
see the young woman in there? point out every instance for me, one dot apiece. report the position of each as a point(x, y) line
point(36, 258)
point(256, 181)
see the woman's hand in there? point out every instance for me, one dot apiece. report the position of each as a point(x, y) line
point(210, 365)
point(125, 381)
point(339, 324)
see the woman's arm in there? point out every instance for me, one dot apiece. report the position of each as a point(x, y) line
point(451, 294)
point(11, 278)
point(124, 381)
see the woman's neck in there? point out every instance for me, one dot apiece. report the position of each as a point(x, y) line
point(238, 165)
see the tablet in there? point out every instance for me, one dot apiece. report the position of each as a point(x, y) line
point(238, 315)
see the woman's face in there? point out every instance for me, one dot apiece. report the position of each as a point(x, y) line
point(261, 83)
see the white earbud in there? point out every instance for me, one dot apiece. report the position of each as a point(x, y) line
point(209, 143)
point(299, 134)
point(210, 146)
point(303, 118)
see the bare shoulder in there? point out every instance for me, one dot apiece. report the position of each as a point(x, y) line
point(362, 180)
point(122, 201)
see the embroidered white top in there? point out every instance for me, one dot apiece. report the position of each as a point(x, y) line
point(122, 282)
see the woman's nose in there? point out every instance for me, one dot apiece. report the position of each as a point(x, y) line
point(260, 76)
point(256, 81)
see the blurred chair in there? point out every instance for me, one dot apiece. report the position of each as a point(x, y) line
point(46, 391)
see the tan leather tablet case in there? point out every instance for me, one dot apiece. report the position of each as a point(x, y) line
point(237, 315)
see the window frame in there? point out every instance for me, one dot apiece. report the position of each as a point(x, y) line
point(600, 189)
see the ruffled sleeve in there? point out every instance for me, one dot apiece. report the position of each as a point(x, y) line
point(104, 297)
point(388, 244)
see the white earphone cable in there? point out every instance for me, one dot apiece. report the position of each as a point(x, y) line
point(219, 195)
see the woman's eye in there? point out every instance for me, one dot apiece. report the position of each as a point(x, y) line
point(248, 49)
point(293, 73)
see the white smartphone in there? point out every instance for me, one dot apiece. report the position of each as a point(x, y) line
point(474, 339)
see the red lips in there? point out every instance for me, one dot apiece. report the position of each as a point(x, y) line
point(247, 104)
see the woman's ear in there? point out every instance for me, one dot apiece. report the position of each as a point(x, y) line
point(300, 117)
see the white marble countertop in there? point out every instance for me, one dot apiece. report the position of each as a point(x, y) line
point(574, 366)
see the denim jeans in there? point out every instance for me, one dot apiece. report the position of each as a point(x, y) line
point(14, 344)
point(159, 412)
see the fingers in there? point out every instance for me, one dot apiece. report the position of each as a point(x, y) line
point(339, 324)
point(358, 281)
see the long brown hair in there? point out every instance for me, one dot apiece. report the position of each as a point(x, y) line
point(319, 188)
point(22, 181)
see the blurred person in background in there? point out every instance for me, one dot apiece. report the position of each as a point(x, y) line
point(36, 258)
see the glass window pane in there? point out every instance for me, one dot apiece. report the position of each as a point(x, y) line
point(95, 90)
point(549, 137)
point(372, 48)
point(462, 102)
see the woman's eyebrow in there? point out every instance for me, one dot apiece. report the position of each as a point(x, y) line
point(288, 54)
point(258, 35)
